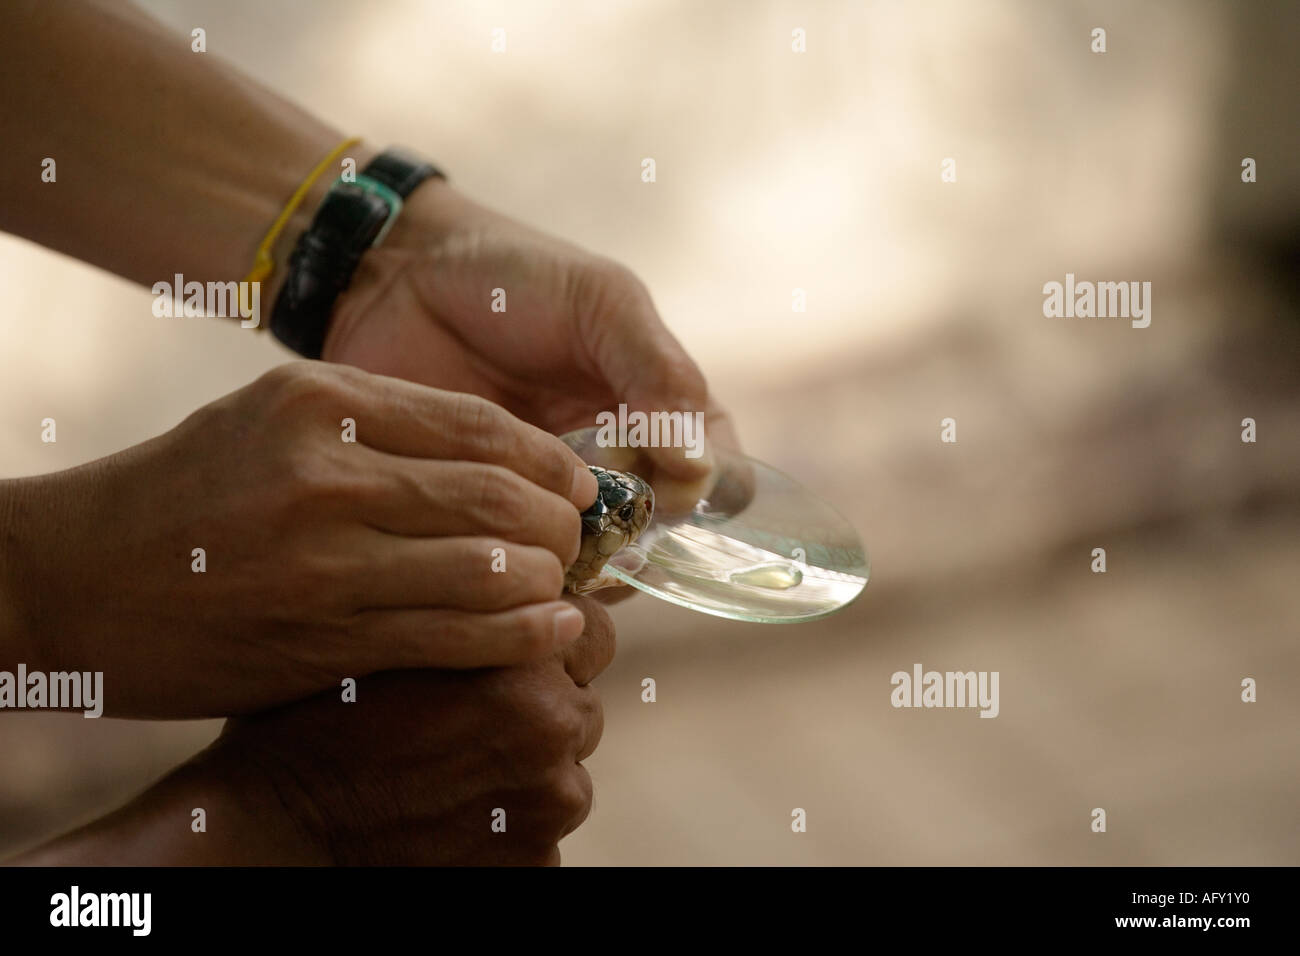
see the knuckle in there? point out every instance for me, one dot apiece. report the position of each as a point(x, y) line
point(616, 274)
point(556, 465)
point(534, 635)
point(570, 793)
point(297, 378)
point(549, 575)
point(476, 556)
point(315, 480)
point(683, 378)
point(535, 575)
point(316, 580)
point(303, 470)
point(531, 575)
point(556, 729)
point(302, 391)
point(480, 424)
point(593, 714)
point(408, 485)
point(282, 375)
point(335, 645)
point(569, 544)
point(496, 499)
point(566, 724)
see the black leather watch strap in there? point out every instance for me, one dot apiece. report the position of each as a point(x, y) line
point(400, 171)
point(349, 221)
point(322, 264)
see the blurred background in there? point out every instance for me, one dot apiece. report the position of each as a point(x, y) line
point(821, 171)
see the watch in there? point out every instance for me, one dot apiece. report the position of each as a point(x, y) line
point(354, 216)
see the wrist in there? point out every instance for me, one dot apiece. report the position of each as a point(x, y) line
point(300, 221)
point(243, 825)
point(430, 214)
point(225, 208)
point(253, 820)
point(354, 218)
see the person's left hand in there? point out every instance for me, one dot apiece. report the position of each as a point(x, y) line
point(579, 333)
point(423, 768)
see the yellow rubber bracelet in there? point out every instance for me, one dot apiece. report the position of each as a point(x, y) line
point(263, 263)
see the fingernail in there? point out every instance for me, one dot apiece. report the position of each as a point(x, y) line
point(569, 623)
point(584, 488)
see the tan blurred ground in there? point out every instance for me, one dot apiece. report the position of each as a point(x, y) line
point(821, 171)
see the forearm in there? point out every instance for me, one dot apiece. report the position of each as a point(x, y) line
point(42, 523)
point(16, 637)
point(167, 161)
point(242, 824)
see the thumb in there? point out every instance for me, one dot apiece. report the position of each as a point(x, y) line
point(643, 364)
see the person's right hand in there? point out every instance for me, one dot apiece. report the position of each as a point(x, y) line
point(324, 559)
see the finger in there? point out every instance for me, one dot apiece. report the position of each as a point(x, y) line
point(586, 657)
point(430, 498)
point(637, 356)
point(469, 574)
point(728, 483)
point(641, 359)
point(680, 482)
point(733, 488)
point(404, 418)
point(583, 783)
point(721, 427)
point(593, 722)
point(421, 637)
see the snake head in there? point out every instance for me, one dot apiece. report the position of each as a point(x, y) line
point(624, 502)
point(623, 508)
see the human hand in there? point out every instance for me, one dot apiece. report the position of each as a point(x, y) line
point(413, 772)
point(322, 558)
point(580, 334)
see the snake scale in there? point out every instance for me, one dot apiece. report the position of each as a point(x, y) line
point(623, 508)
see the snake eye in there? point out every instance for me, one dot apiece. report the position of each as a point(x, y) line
point(625, 513)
